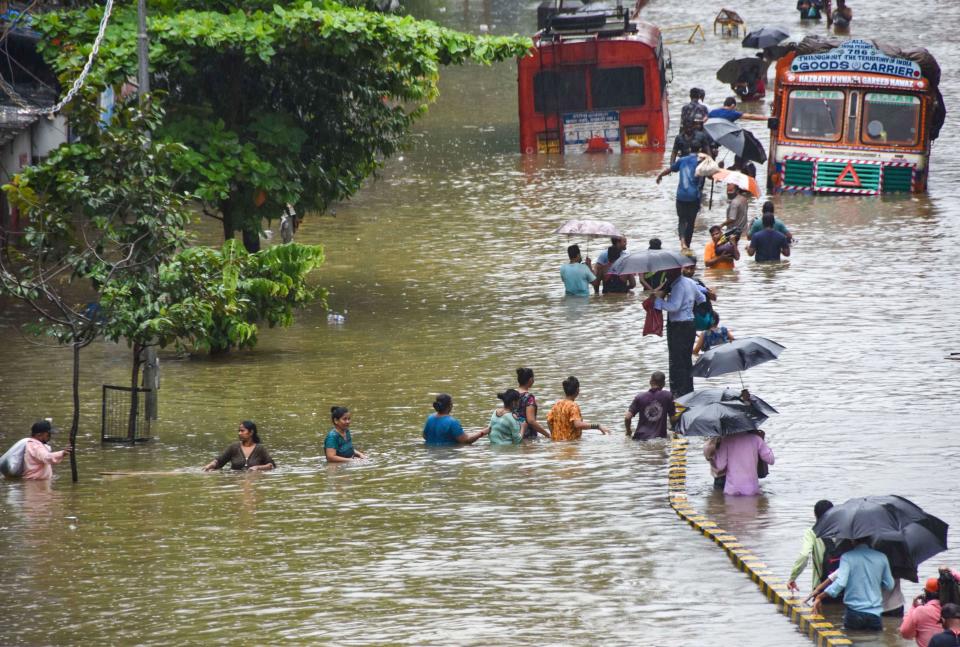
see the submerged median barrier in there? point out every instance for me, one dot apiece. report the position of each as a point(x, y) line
point(815, 626)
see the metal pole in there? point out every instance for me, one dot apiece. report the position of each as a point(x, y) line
point(143, 56)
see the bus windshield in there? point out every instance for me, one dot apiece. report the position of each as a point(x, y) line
point(890, 118)
point(815, 114)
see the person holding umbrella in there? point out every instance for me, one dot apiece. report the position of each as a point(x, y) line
point(737, 457)
point(578, 274)
point(681, 329)
point(863, 575)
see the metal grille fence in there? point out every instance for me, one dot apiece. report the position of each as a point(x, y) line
point(114, 427)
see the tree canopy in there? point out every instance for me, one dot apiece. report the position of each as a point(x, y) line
point(275, 104)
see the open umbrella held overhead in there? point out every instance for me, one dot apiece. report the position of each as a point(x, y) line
point(736, 356)
point(719, 419)
point(742, 142)
point(713, 395)
point(764, 37)
point(588, 228)
point(895, 526)
point(650, 260)
point(739, 180)
point(735, 69)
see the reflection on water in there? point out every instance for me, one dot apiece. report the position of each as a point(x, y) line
point(449, 276)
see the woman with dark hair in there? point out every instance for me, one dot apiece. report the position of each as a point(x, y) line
point(338, 445)
point(615, 282)
point(506, 428)
point(443, 429)
point(245, 454)
point(526, 408)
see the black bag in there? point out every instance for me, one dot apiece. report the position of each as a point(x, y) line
point(763, 470)
point(831, 558)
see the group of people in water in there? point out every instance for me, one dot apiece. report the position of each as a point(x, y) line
point(861, 577)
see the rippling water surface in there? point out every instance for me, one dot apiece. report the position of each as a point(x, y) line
point(447, 273)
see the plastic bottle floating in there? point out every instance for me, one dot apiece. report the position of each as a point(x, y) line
point(336, 319)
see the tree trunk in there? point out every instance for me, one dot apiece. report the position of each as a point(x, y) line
point(134, 394)
point(226, 210)
point(75, 423)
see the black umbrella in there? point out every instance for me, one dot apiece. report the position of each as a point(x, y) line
point(764, 37)
point(738, 69)
point(740, 141)
point(723, 394)
point(651, 260)
point(719, 419)
point(895, 526)
point(736, 356)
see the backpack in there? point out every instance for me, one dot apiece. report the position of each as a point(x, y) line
point(703, 315)
point(11, 463)
point(831, 557)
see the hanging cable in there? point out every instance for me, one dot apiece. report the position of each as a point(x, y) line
point(78, 82)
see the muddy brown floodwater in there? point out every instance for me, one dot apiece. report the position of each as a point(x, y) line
point(446, 272)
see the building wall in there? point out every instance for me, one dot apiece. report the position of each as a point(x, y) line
point(28, 147)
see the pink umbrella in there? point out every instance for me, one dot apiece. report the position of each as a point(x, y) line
point(590, 228)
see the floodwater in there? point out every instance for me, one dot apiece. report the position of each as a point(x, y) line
point(446, 272)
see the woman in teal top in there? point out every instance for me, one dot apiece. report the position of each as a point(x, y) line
point(338, 445)
point(505, 427)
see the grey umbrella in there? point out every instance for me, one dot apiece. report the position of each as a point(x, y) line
point(719, 419)
point(764, 37)
point(736, 356)
point(651, 260)
point(742, 142)
point(724, 394)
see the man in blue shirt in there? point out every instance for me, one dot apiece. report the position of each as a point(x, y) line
point(756, 225)
point(862, 574)
point(730, 113)
point(688, 192)
point(681, 330)
point(577, 276)
point(768, 243)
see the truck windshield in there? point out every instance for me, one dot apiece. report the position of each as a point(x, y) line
point(815, 114)
point(890, 118)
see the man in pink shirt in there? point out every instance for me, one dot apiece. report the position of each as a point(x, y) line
point(38, 460)
point(738, 454)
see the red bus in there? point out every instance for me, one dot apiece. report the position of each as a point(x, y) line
point(595, 81)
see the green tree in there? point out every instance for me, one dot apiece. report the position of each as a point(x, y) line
point(100, 211)
point(275, 104)
point(213, 299)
